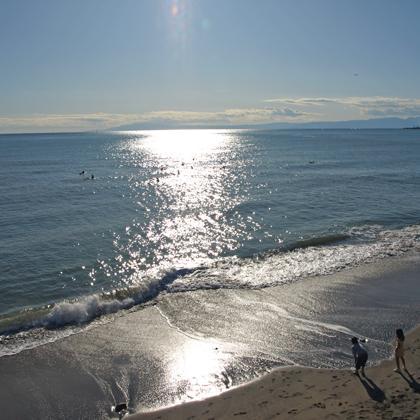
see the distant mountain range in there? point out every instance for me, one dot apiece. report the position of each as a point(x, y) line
point(351, 124)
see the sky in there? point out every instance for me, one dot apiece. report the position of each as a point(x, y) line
point(97, 64)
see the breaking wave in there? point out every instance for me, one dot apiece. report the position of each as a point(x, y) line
point(312, 257)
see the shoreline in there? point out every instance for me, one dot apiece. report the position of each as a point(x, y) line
point(163, 356)
point(312, 393)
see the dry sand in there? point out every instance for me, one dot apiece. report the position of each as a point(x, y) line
point(304, 393)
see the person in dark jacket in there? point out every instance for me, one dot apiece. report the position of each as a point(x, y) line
point(360, 355)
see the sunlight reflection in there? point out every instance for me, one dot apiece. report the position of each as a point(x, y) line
point(183, 145)
point(192, 177)
point(200, 367)
point(185, 185)
point(196, 359)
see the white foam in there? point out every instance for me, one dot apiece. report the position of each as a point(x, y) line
point(290, 266)
point(234, 272)
point(84, 310)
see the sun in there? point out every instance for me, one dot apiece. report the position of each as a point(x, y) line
point(174, 9)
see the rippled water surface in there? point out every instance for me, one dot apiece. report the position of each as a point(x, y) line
point(170, 211)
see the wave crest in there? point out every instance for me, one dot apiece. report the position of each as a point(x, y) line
point(316, 256)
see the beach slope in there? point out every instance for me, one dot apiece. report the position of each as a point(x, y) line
point(305, 393)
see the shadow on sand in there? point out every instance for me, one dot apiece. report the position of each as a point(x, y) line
point(372, 389)
point(414, 385)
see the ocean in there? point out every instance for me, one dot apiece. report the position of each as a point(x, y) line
point(93, 225)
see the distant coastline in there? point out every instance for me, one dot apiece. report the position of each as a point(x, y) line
point(373, 123)
point(369, 124)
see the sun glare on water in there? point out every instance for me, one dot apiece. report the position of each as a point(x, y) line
point(183, 145)
point(183, 183)
point(200, 367)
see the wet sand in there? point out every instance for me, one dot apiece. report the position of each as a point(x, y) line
point(304, 393)
point(196, 345)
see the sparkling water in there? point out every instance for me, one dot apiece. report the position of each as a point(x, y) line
point(92, 223)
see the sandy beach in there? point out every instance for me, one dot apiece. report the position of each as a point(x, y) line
point(304, 393)
point(223, 354)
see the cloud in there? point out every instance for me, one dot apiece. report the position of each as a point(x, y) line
point(358, 106)
point(101, 121)
point(266, 114)
point(303, 109)
point(387, 106)
point(288, 112)
point(56, 122)
point(302, 101)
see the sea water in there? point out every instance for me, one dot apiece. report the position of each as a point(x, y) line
point(95, 223)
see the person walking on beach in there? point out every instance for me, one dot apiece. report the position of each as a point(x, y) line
point(360, 355)
point(399, 349)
